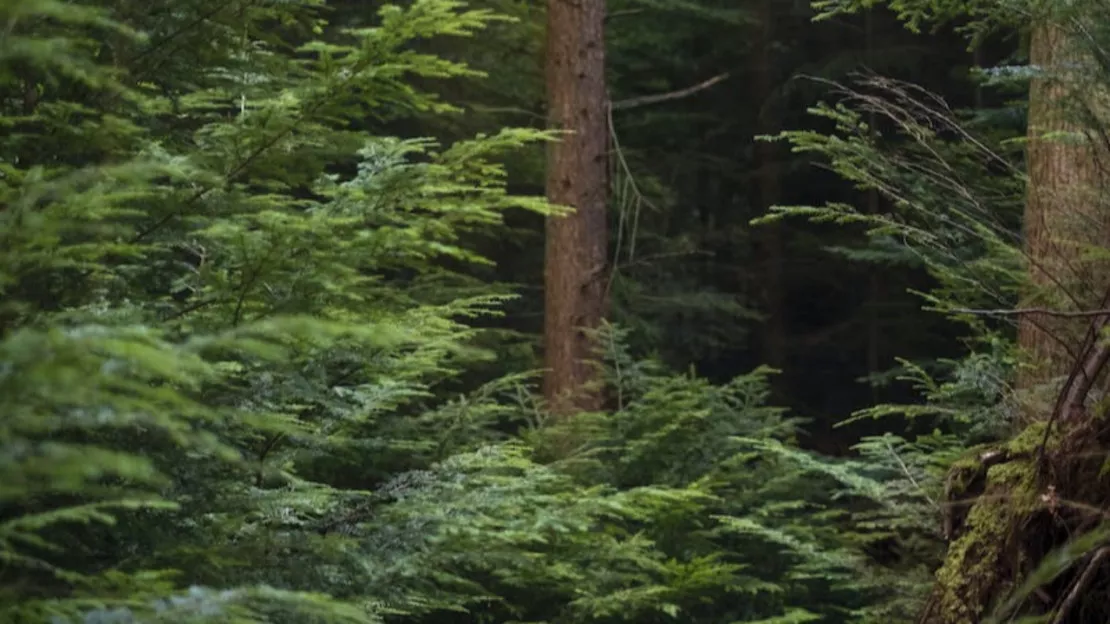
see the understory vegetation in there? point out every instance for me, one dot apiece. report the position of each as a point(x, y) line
point(261, 357)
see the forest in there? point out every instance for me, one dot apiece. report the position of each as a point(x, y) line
point(563, 312)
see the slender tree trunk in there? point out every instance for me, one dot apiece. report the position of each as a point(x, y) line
point(577, 176)
point(770, 192)
point(874, 273)
point(977, 62)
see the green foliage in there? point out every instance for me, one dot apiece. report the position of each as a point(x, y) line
point(200, 287)
point(955, 191)
point(955, 199)
point(976, 17)
point(237, 311)
point(956, 196)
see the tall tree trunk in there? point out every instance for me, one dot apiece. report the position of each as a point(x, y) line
point(577, 176)
point(1015, 521)
point(1062, 218)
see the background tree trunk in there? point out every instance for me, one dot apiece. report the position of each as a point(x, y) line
point(1063, 218)
point(577, 176)
point(769, 182)
point(875, 289)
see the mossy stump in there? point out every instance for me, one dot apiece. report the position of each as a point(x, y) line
point(1010, 505)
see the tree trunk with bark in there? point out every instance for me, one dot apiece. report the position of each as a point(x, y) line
point(577, 176)
point(1063, 218)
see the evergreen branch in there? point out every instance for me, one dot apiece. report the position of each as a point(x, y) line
point(242, 166)
point(157, 45)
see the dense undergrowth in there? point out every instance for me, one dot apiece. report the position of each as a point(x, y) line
point(235, 320)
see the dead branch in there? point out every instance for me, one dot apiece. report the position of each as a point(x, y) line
point(1081, 584)
point(1031, 311)
point(1094, 357)
point(645, 100)
point(623, 13)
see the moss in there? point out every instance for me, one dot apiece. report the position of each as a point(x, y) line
point(976, 569)
point(1000, 539)
point(971, 569)
point(1029, 440)
point(966, 470)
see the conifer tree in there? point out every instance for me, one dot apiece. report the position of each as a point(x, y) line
point(214, 281)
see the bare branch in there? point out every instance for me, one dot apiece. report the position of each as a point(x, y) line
point(909, 475)
point(623, 13)
point(1072, 398)
point(645, 100)
point(1031, 311)
point(1081, 585)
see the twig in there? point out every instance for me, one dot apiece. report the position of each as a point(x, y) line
point(189, 309)
point(1077, 395)
point(1073, 396)
point(1028, 312)
point(1081, 585)
point(623, 13)
point(645, 100)
point(1034, 312)
point(909, 475)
